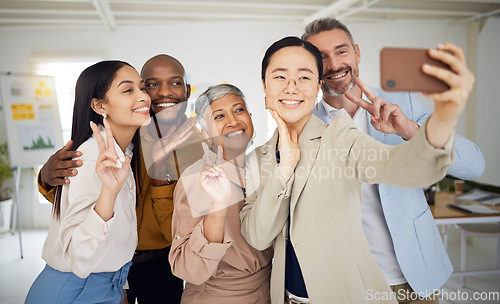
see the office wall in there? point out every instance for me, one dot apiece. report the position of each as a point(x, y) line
point(488, 105)
point(231, 52)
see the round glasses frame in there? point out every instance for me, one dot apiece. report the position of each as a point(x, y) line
point(281, 81)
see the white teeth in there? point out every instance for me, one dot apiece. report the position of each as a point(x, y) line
point(143, 109)
point(166, 104)
point(234, 133)
point(339, 76)
point(290, 102)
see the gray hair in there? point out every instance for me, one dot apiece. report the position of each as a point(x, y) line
point(326, 24)
point(210, 95)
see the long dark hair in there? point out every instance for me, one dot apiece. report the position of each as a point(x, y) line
point(94, 82)
point(292, 41)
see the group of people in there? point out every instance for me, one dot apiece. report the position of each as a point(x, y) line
point(329, 210)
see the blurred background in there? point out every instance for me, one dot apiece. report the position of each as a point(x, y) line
point(224, 41)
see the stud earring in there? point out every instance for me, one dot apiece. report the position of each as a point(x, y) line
point(211, 145)
point(104, 115)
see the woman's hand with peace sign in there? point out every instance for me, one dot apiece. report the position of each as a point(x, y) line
point(214, 182)
point(111, 170)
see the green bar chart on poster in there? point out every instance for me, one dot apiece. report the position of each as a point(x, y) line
point(31, 116)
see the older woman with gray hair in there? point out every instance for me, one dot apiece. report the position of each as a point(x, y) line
point(208, 250)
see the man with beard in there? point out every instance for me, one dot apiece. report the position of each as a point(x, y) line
point(397, 222)
point(169, 144)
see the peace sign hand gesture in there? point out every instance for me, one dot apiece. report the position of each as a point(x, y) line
point(111, 169)
point(288, 147)
point(213, 179)
point(385, 116)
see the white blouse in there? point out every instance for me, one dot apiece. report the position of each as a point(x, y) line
point(80, 241)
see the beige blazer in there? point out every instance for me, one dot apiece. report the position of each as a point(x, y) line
point(323, 199)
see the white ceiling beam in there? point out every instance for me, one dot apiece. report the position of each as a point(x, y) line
point(104, 11)
point(50, 21)
point(71, 1)
point(46, 12)
point(357, 9)
point(232, 4)
point(420, 12)
point(330, 10)
point(480, 16)
point(209, 15)
point(475, 1)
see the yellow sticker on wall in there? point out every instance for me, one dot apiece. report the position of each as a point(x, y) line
point(22, 111)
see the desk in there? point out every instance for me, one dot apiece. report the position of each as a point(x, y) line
point(446, 216)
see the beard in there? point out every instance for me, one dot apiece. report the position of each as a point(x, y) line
point(339, 90)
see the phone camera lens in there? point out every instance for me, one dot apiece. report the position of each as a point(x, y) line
point(391, 83)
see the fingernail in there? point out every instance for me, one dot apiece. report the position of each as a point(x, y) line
point(122, 158)
point(434, 52)
point(427, 67)
point(440, 46)
point(118, 164)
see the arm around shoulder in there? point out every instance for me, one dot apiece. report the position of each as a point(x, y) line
point(45, 190)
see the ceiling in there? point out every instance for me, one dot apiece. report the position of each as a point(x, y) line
point(113, 14)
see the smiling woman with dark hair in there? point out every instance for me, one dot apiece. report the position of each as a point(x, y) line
point(304, 185)
point(92, 235)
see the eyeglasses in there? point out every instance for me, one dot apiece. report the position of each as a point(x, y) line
point(303, 82)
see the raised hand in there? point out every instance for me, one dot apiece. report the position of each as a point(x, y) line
point(60, 166)
point(214, 180)
point(448, 105)
point(385, 116)
point(111, 169)
point(288, 147)
point(163, 147)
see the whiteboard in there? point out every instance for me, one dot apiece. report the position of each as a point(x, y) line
point(31, 117)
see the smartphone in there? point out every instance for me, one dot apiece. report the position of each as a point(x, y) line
point(401, 70)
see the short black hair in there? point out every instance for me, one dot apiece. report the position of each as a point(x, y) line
point(292, 41)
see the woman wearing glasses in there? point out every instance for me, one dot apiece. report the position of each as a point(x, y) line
point(304, 185)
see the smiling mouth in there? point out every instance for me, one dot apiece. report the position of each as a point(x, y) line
point(290, 102)
point(337, 76)
point(235, 133)
point(142, 110)
point(165, 105)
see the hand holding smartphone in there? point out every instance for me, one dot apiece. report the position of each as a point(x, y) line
point(401, 70)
